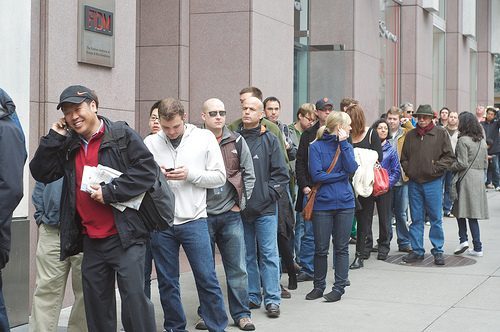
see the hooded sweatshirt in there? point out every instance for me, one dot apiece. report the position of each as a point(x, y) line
point(199, 152)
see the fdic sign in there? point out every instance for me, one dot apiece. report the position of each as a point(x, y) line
point(96, 40)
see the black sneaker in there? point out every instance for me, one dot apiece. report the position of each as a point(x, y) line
point(333, 296)
point(405, 249)
point(273, 310)
point(304, 277)
point(413, 257)
point(200, 324)
point(439, 259)
point(316, 293)
point(382, 256)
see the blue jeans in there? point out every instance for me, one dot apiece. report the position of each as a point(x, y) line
point(299, 233)
point(447, 202)
point(337, 225)
point(226, 230)
point(474, 229)
point(493, 172)
point(426, 198)
point(4, 320)
point(261, 235)
point(148, 268)
point(194, 238)
point(400, 211)
point(307, 249)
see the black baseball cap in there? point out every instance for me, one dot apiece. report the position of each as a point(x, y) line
point(76, 94)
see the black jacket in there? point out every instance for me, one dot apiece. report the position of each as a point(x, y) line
point(491, 131)
point(12, 159)
point(302, 163)
point(55, 158)
point(271, 173)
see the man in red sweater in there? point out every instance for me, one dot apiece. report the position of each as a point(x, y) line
point(113, 241)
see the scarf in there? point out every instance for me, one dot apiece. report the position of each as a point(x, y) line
point(422, 131)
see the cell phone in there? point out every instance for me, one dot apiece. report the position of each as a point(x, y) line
point(169, 169)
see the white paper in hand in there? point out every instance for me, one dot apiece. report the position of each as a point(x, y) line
point(103, 174)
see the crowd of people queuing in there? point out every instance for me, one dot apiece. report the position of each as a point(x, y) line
point(242, 187)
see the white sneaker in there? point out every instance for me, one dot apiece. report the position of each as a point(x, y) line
point(497, 188)
point(475, 253)
point(462, 247)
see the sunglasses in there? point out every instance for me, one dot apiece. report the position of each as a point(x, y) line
point(213, 114)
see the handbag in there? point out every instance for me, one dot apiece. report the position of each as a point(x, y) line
point(308, 208)
point(380, 180)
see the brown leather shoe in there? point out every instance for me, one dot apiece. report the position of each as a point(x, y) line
point(285, 294)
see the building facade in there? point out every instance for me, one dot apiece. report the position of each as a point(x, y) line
point(380, 52)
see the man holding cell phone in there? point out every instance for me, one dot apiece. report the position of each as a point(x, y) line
point(191, 160)
point(113, 242)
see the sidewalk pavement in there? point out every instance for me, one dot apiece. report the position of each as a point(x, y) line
point(385, 296)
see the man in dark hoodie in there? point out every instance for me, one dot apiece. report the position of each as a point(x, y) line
point(12, 159)
point(260, 220)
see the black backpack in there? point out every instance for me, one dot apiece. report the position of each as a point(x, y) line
point(158, 205)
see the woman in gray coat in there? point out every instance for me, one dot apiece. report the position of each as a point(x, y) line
point(471, 203)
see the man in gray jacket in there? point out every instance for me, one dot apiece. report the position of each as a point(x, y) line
point(224, 205)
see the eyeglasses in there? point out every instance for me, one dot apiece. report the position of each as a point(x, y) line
point(326, 109)
point(213, 114)
point(309, 119)
point(154, 118)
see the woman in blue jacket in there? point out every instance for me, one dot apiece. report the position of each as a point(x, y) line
point(390, 162)
point(334, 204)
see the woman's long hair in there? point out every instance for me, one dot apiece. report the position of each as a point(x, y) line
point(469, 126)
point(358, 119)
point(335, 119)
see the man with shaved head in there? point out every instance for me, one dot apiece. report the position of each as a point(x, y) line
point(260, 219)
point(224, 205)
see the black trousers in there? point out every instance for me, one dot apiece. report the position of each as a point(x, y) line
point(104, 262)
point(364, 240)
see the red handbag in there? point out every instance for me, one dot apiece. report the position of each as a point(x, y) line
point(380, 180)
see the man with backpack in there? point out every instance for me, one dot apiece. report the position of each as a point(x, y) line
point(113, 242)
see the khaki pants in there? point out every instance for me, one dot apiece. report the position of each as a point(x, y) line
point(51, 278)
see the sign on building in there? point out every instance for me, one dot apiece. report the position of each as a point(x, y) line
point(96, 38)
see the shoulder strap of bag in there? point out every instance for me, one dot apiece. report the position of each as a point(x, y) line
point(335, 159)
point(332, 165)
point(118, 134)
point(473, 160)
